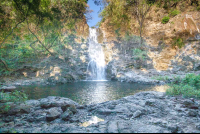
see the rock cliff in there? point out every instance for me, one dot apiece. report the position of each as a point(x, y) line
point(173, 47)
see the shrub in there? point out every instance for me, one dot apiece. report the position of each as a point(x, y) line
point(198, 8)
point(16, 96)
point(165, 6)
point(188, 86)
point(174, 13)
point(165, 19)
point(140, 54)
point(178, 42)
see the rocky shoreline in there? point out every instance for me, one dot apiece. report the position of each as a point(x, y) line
point(151, 112)
point(137, 76)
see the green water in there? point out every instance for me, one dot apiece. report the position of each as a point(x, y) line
point(87, 92)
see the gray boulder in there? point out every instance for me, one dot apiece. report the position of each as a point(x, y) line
point(53, 113)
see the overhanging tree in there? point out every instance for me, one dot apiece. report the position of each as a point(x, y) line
point(41, 22)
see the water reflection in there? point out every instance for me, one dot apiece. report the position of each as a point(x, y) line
point(87, 92)
point(93, 120)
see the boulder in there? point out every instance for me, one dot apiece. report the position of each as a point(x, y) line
point(34, 103)
point(19, 109)
point(66, 115)
point(112, 127)
point(53, 113)
point(53, 101)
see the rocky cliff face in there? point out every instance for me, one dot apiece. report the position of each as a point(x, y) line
point(163, 52)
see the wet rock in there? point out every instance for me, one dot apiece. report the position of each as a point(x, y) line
point(8, 88)
point(53, 113)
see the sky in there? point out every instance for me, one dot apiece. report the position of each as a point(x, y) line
point(94, 14)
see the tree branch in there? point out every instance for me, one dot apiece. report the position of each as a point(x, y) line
point(38, 39)
point(11, 32)
point(5, 65)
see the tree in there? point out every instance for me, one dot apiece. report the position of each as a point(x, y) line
point(139, 9)
point(37, 22)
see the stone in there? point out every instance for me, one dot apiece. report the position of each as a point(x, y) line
point(71, 108)
point(198, 126)
point(45, 103)
point(19, 109)
point(9, 119)
point(197, 36)
point(124, 127)
point(8, 88)
point(34, 103)
point(25, 108)
point(137, 114)
point(53, 101)
point(192, 113)
point(112, 127)
point(66, 115)
point(53, 113)
point(144, 112)
point(188, 102)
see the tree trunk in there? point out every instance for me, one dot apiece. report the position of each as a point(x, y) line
point(5, 65)
point(141, 41)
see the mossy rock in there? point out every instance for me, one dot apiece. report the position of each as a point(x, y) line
point(69, 77)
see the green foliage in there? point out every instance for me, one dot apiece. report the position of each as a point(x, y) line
point(117, 33)
point(188, 86)
point(141, 54)
point(30, 28)
point(174, 13)
point(165, 5)
point(198, 8)
point(16, 96)
point(178, 42)
point(165, 19)
point(7, 98)
point(129, 39)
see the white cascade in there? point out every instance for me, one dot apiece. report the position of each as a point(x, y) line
point(96, 65)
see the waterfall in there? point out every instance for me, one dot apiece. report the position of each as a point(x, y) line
point(96, 65)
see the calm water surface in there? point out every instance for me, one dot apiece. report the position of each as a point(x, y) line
point(87, 92)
